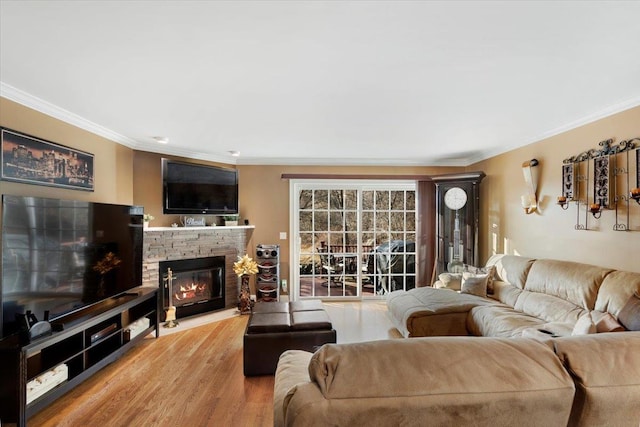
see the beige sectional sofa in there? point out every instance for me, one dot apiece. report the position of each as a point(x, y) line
point(509, 374)
point(528, 295)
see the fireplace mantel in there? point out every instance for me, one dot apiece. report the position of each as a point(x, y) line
point(178, 243)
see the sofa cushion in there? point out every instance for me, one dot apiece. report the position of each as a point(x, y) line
point(505, 292)
point(429, 311)
point(436, 381)
point(474, 284)
point(450, 281)
point(585, 325)
point(548, 307)
point(615, 291)
point(605, 322)
point(629, 316)
point(499, 321)
point(512, 269)
point(606, 371)
point(570, 281)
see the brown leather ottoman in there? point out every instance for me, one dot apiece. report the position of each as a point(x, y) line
point(275, 327)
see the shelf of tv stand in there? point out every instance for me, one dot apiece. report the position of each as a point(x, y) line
point(88, 342)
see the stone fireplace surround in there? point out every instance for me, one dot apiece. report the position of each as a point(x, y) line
point(178, 243)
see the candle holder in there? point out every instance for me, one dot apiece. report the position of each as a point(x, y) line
point(562, 202)
point(596, 210)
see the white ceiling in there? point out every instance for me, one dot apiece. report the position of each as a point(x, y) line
point(336, 82)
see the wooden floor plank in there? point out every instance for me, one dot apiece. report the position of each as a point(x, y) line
point(194, 377)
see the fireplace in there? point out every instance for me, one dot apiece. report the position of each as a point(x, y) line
point(197, 285)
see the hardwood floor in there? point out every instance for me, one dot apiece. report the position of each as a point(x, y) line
point(194, 377)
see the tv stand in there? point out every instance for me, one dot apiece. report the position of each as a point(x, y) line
point(88, 341)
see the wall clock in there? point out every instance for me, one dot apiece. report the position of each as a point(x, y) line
point(457, 218)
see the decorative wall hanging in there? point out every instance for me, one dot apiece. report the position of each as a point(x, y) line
point(611, 188)
point(32, 160)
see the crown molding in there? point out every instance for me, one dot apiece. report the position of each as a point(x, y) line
point(324, 161)
point(11, 93)
point(45, 107)
point(600, 114)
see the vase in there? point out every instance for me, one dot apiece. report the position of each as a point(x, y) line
point(146, 224)
point(231, 223)
point(245, 305)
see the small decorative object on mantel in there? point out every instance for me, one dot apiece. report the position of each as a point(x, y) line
point(611, 187)
point(147, 218)
point(230, 220)
point(189, 221)
point(244, 268)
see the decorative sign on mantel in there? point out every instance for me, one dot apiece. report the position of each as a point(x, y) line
point(189, 221)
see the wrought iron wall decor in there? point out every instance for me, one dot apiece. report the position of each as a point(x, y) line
point(611, 188)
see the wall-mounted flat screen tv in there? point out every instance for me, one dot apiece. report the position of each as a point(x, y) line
point(190, 188)
point(64, 255)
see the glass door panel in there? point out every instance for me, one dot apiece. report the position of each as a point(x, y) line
point(353, 242)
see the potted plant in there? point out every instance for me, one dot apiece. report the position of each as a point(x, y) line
point(230, 220)
point(146, 218)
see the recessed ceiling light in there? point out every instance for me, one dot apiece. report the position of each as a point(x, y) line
point(234, 153)
point(161, 139)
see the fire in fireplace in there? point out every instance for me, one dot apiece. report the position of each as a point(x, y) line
point(197, 286)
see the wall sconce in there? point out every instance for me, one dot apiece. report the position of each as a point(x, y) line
point(563, 203)
point(635, 194)
point(529, 201)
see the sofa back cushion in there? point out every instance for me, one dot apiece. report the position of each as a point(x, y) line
point(570, 281)
point(548, 307)
point(615, 291)
point(505, 292)
point(435, 365)
point(511, 268)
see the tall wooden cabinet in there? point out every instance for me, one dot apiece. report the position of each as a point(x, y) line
point(457, 220)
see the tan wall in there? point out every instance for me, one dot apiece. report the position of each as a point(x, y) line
point(550, 233)
point(263, 195)
point(264, 198)
point(113, 163)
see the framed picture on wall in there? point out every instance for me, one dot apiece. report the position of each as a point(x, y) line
point(32, 160)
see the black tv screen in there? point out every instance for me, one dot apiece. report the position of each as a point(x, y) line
point(63, 255)
point(197, 189)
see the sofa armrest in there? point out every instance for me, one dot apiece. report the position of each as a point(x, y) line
point(292, 370)
point(606, 370)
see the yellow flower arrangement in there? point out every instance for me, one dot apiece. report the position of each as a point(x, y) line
point(245, 265)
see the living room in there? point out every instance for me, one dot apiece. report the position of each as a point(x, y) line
point(132, 176)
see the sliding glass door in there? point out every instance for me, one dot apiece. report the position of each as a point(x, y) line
point(352, 239)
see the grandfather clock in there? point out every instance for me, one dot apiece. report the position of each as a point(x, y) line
point(457, 218)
